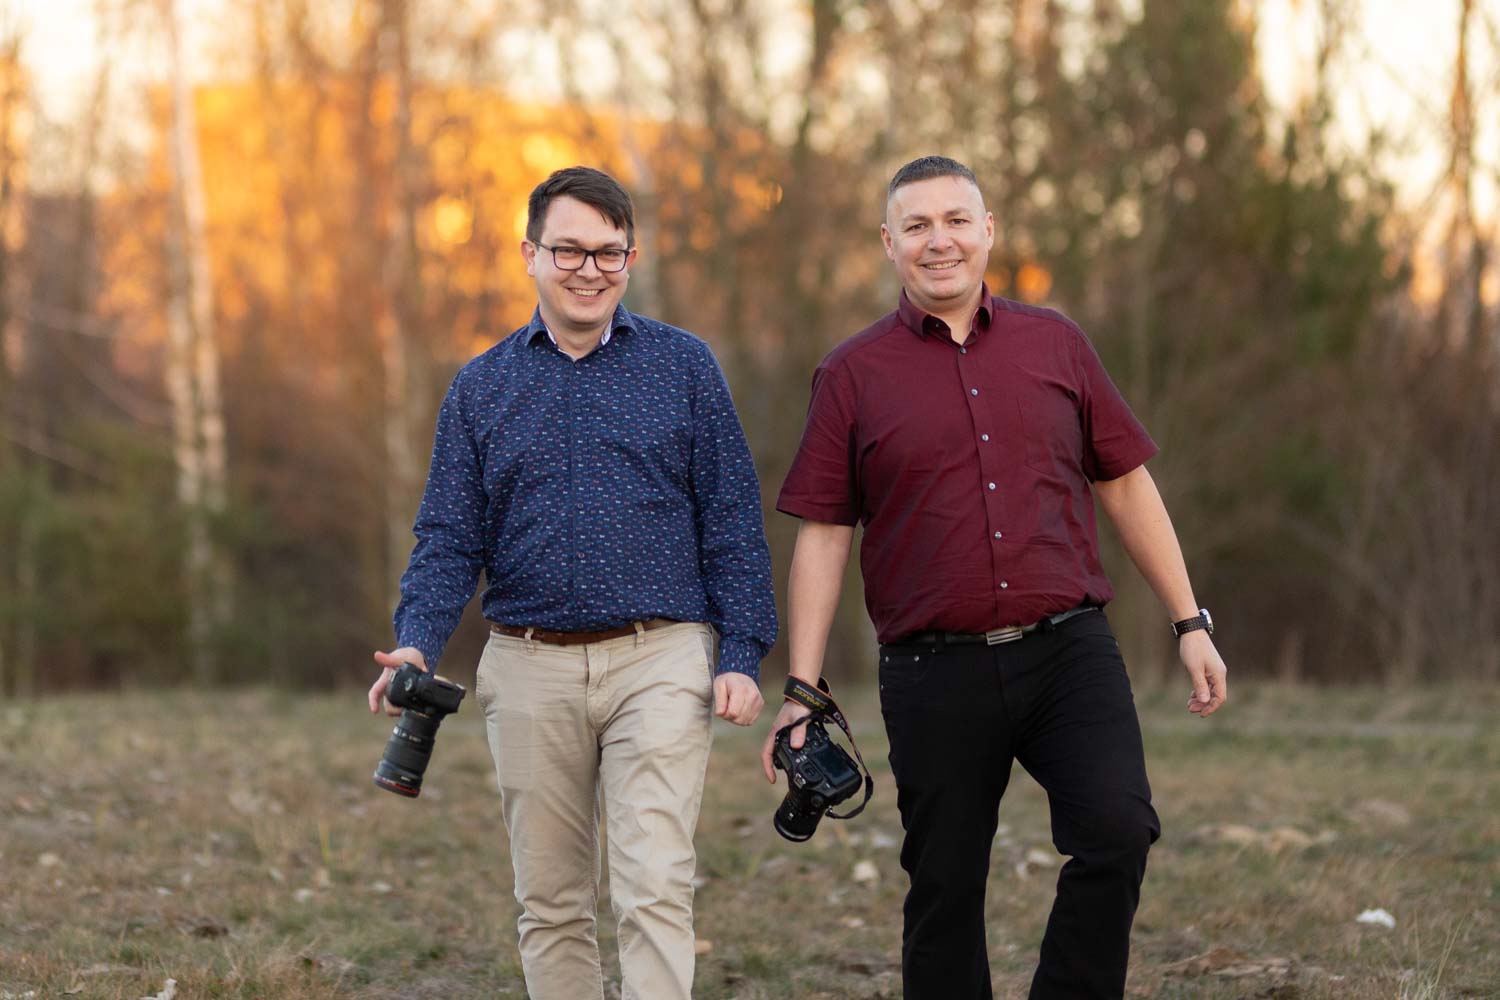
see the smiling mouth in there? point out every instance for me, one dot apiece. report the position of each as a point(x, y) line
point(943, 265)
point(587, 293)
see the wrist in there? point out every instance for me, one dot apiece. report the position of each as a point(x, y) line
point(1199, 621)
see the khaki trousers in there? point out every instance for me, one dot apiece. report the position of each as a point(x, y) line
point(622, 725)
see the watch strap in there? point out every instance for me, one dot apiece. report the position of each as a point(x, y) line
point(1202, 620)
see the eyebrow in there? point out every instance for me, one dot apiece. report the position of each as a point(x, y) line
point(574, 241)
point(918, 217)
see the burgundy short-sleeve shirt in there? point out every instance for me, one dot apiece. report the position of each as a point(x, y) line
point(969, 467)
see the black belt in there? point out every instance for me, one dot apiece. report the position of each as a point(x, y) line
point(996, 637)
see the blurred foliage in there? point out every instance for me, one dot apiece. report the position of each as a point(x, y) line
point(1328, 452)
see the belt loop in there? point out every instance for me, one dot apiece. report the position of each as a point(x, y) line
point(530, 642)
point(640, 633)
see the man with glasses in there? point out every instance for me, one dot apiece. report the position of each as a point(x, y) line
point(971, 436)
point(593, 466)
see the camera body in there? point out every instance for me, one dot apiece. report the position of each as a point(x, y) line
point(820, 775)
point(425, 699)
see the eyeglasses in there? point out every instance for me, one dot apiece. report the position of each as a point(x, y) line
point(608, 260)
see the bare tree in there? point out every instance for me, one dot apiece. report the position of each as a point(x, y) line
point(192, 370)
point(17, 664)
point(401, 302)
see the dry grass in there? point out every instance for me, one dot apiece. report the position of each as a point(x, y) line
point(234, 843)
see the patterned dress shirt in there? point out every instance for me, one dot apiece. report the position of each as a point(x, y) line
point(592, 493)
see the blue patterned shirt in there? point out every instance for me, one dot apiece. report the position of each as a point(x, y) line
point(592, 493)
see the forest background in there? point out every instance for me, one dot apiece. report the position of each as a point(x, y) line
point(237, 275)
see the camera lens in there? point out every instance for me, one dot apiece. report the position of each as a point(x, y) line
point(406, 754)
point(794, 822)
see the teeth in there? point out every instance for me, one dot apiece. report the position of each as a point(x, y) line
point(587, 293)
point(941, 267)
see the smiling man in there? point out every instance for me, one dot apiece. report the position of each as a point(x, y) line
point(971, 436)
point(592, 465)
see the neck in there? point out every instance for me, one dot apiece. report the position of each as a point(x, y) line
point(958, 317)
point(572, 342)
point(958, 323)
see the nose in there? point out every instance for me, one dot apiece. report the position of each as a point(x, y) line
point(591, 265)
point(940, 238)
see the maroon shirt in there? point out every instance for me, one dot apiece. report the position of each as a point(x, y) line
point(968, 466)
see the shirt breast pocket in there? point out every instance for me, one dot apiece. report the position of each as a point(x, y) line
point(1052, 429)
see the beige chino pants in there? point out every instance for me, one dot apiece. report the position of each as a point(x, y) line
point(622, 725)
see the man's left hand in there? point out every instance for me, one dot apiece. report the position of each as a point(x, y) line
point(736, 698)
point(1206, 668)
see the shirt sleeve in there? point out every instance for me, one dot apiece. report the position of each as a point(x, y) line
point(1114, 441)
point(734, 560)
point(449, 554)
point(822, 484)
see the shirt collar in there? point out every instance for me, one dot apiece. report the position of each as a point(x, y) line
point(621, 320)
point(926, 325)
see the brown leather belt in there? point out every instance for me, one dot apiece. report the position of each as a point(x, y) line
point(577, 638)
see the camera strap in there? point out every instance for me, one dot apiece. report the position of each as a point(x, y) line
point(824, 707)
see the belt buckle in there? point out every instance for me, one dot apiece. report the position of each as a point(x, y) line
point(1001, 635)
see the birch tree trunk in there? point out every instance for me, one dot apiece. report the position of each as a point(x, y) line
point(193, 372)
point(13, 660)
point(400, 308)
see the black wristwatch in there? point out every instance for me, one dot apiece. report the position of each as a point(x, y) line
point(1202, 620)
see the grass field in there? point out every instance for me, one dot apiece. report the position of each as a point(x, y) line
point(234, 843)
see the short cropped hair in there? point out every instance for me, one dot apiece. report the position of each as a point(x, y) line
point(925, 168)
point(593, 187)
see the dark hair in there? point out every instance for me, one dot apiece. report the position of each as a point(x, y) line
point(593, 187)
point(925, 168)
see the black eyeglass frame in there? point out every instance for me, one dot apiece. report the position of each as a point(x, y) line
point(624, 260)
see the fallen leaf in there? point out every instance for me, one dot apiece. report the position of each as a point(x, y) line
point(1378, 917)
point(702, 947)
point(1382, 812)
point(1038, 858)
point(207, 928)
point(853, 923)
point(866, 873)
point(324, 962)
point(168, 991)
point(380, 887)
point(864, 965)
point(104, 969)
point(1275, 840)
point(1208, 962)
point(48, 860)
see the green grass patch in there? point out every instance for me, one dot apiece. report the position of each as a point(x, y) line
point(234, 842)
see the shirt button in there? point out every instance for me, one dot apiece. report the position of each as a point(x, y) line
point(1003, 585)
point(963, 350)
point(998, 535)
point(973, 392)
point(992, 485)
point(984, 437)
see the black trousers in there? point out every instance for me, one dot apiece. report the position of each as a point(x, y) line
point(957, 715)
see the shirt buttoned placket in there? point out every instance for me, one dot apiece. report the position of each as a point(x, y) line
point(578, 416)
point(981, 415)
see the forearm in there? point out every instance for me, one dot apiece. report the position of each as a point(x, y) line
point(1134, 505)
point(817, 577)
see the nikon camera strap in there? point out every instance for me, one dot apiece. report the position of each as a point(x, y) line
point(824, 707)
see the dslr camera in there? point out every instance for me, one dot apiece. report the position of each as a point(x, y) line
point(424, 699)
point(820, 775)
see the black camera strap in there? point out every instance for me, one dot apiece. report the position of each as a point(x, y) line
point(824, 707)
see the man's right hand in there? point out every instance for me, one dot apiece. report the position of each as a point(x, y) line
point(790, 713)
point(390, 663)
